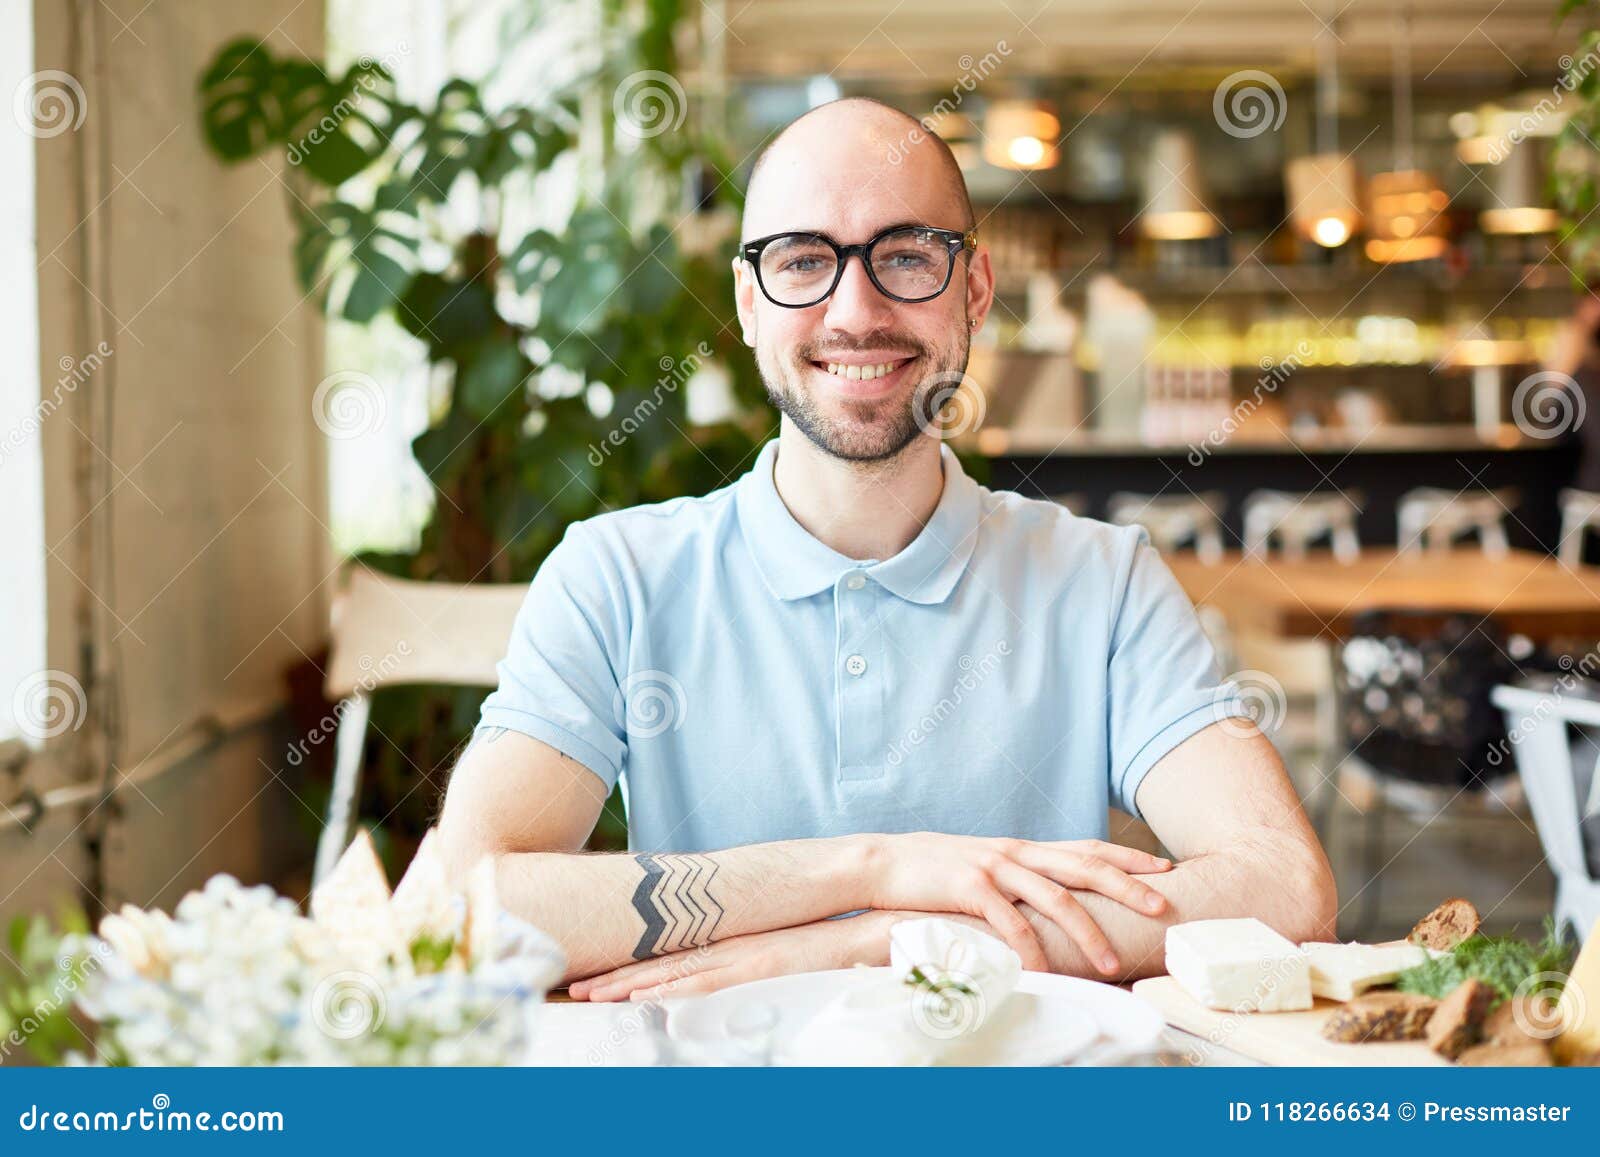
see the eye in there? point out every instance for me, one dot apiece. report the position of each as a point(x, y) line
point(805, 264)
point(905, 259)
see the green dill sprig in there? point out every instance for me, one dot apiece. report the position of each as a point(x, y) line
point(916, 978)
point(1502, 962)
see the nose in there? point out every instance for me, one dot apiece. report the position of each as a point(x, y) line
point(856, 305)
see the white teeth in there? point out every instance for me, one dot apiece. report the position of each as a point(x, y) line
point(861, 373)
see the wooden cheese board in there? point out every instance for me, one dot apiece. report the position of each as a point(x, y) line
point(1276, 1038)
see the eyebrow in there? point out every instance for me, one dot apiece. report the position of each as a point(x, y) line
point(875, 233)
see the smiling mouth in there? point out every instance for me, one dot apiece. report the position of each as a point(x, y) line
point(862, 373)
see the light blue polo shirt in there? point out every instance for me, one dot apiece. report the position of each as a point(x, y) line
point(1011, 672)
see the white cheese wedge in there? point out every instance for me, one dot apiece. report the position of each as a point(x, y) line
point(1238, 966)
point(1579, 1007)
point(1345, 971)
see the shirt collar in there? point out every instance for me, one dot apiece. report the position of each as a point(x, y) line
point(795, 565)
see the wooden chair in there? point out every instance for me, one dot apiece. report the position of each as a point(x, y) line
point(1580, 513)
point(394, 632)
point(1174, 521)
point(1431, 518)
point(1296, 521)
point(1551, 773)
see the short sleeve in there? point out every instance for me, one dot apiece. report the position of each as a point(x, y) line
point(1164, 683)
point(558, 681)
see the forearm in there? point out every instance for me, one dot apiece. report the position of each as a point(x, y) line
point(607, 910)
point(1279, 881)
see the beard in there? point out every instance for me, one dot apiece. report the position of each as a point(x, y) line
point(875, 430)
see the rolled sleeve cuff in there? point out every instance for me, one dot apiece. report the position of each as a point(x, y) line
point(1191, 722)
point(568, 743)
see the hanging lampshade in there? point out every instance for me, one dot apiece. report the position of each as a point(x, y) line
point(1175, 207)
point(1324, 197)
point(956, 130)
point(1405, 217)
point(1405, 206)
point(1516, 205)
point(1324, 189)
point(1021, 135)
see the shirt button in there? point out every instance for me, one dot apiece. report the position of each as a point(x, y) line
point(856, 581)
point(855, 664)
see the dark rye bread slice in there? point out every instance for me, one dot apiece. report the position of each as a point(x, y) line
point(1446, 926)
point(1531, 1055)
point(1381, 1016)
point(1457, 1024)
point(1521, 1021)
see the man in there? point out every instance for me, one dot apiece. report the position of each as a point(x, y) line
point(856, 681)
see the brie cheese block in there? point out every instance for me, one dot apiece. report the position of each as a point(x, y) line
point(1345, 971)
point(1238, 966)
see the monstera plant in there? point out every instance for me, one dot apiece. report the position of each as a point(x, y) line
point(547, 337)
point(1575, 158)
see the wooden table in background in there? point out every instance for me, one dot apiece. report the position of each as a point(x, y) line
point(1524, 592)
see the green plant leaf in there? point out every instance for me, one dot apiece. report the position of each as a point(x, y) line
point(493, 372)
point(450, 315)
point(240, 110)
point(366, 257)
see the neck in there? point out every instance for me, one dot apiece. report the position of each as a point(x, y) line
point(859, 509)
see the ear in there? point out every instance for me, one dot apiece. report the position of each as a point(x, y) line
point(744, 300)
point(980, 286)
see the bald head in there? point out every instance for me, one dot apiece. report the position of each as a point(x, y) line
point(865, 149)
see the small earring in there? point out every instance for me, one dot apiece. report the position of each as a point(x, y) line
point(973, 322)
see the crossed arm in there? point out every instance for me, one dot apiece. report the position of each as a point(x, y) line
point(631, 924)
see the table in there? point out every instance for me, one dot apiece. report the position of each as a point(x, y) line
point(1526, 592)
point(583, 1034)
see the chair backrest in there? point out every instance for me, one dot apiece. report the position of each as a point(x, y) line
point(1296, 521)
point(1173, 521)
point(1537, 722)
point(389, 631)
point(1580, 512)
point(1431, 518)
point(1414, 692)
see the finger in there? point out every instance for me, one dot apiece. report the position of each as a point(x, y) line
point(1076, 870)
point(696, 985)
point(617, 984)
point(1062, 907)
point(1128, 859)
point(1013, 927)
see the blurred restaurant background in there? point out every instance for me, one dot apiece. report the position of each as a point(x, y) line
point(321, 310)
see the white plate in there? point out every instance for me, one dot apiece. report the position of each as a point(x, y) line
point(1049, 1020)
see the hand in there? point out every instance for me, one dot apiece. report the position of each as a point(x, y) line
point(986, 878)
point(862, 939)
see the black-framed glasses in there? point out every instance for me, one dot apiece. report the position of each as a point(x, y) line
point(907, 263)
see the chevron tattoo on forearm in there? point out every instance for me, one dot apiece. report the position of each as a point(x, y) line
point(674, 899)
